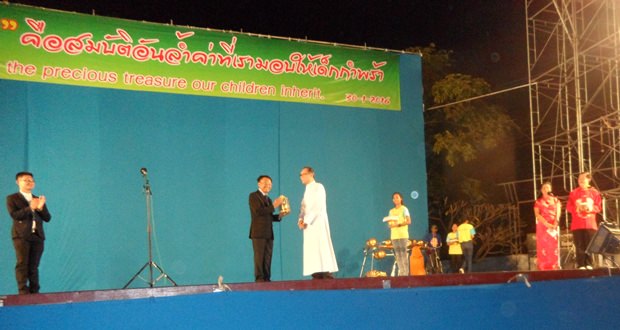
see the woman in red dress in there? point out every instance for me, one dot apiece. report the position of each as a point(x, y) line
point(547, 209)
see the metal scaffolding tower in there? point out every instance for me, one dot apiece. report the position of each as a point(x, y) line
point(573, 57)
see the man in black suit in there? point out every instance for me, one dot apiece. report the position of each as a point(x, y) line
point(261, 228)
point(28, 212)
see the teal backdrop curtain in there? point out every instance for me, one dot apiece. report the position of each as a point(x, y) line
point(86, 146)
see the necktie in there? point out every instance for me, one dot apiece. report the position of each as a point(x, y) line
point(34, 216)
point(34, 221)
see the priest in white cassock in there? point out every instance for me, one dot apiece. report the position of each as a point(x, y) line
point(319, 257)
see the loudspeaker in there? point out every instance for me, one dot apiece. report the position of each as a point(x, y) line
point(606, 241)
point(530, 243)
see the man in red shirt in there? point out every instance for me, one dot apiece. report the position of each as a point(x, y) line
point(584, 202)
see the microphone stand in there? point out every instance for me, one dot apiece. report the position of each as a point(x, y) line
point(571, 248)
point(149, 219)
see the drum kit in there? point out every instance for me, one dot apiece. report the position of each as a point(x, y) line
point(380, 250)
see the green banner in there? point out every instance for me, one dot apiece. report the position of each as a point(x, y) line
point(75, 49)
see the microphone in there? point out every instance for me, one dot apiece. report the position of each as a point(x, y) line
point(143, 171)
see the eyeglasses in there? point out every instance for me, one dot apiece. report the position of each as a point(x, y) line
point(28, 181)
point(302, 174)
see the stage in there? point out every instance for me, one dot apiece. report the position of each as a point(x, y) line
point(567, 299)
point(435, 280)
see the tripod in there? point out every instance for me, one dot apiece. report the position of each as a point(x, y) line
point(149, 220)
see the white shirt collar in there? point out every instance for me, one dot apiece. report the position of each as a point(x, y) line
point(26, 195)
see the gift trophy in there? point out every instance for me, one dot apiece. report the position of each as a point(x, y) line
point(285, 207)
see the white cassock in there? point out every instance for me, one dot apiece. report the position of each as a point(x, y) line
point(318, 250)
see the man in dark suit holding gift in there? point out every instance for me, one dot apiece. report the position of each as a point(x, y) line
point(261, 229)
point(28, 212)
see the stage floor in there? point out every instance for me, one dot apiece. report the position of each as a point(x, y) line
point(335, 284)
